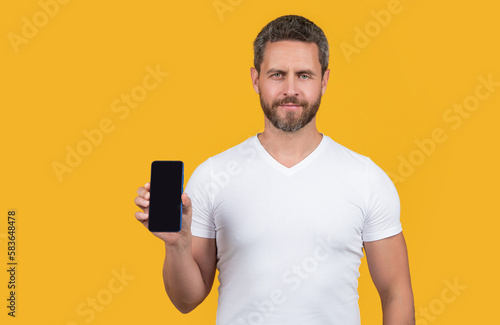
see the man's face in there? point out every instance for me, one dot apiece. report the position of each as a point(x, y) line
point(290, 84)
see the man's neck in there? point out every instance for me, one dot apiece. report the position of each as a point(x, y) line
point(290, 148)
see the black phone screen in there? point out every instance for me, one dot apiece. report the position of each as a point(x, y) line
point(165, 205)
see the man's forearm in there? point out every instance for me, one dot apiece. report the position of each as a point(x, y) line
point(399, 310)
point(182, 278)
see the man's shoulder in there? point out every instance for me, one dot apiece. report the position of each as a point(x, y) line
point(342, 154)
point(353, 164)
point(244, 151)
point(238, 152)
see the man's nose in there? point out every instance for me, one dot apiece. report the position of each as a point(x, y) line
point(290, 87)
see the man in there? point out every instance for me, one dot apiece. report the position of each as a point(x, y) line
point(285, 215)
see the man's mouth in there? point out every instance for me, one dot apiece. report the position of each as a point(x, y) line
point(291, 106)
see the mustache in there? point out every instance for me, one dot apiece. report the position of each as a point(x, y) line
point(290, 100)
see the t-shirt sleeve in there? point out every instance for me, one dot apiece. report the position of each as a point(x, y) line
point(199, 190)
point(382, 215)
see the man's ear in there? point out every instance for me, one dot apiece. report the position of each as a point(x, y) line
point(254, 74)
point(324, 81)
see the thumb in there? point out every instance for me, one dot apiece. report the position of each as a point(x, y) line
point(186, 212)
point(186, 205)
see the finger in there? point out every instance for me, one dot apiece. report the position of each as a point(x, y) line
point(141, 216)
point(146, 189)
point(143, 192)
point(141, 203)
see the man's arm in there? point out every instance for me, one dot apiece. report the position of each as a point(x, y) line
point(190, 262)
point(388, 264)
point(189, 272)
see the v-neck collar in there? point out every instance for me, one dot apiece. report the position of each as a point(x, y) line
point(289, 170)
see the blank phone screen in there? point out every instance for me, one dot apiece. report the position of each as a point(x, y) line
point(165, 205)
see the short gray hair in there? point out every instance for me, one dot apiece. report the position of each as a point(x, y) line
point(291, 28)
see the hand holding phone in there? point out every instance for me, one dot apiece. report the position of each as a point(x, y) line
point(165, 204)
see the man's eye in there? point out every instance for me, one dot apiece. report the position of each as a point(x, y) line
point(277, 74)
point(304, 77)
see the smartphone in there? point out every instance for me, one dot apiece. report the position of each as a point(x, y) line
point(165, 205)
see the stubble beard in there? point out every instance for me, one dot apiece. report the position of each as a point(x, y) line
point(292, 121)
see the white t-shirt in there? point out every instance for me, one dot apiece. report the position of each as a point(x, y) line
point(289, 240)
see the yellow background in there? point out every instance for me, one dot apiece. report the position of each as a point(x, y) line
point(75, 233)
